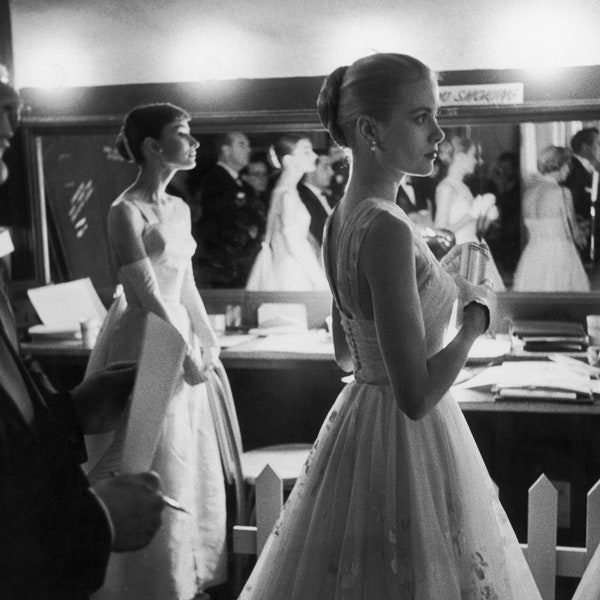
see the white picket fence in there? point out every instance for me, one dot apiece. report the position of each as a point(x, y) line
point(545, 558)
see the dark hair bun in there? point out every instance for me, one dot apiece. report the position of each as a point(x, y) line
point(123, 148)
point(328, 103)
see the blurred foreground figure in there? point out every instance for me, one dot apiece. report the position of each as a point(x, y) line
point(56, 533)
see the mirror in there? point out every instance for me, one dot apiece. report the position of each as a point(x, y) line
point(76, 173)
point(506, 166)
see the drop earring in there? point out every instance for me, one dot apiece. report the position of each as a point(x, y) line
point(373, 145)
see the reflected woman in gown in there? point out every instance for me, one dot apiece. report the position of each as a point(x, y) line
point(550, 261)
point(288, 260)
point(466, 216)
point(151, 244)
point(394, 501)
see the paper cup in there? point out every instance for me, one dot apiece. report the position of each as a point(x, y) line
point(593, 329)
point(217, 322)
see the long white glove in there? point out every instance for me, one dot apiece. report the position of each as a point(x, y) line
point(191, 300)
point(142, 280)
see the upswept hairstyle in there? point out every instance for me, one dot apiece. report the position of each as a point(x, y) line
point(370, 86)
point(552, 158)
point(285, 145)
point(143, 122)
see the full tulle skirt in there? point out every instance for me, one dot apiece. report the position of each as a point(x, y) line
point(389, 508)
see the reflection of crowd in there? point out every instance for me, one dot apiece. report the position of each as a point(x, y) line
point(231, 199)
point(232, 218)
point(230, 202)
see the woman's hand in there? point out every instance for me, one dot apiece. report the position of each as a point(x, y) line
point(193, 373)
point(195, 369)
point(482, 295)
point(210, 356)
point(451, 260)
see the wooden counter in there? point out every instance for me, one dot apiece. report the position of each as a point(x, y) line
point(311, 351)
point(284, 388)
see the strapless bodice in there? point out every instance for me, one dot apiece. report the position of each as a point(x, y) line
point(169, 248)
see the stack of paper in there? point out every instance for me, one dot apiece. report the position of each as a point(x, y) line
point(548, 336)
point(531, 380)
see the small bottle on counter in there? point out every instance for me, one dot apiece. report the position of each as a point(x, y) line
point(233, 317)
point(90, 328)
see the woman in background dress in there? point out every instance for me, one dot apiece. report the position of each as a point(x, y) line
point(456, 209)
point(150, 239)
point(550, 261)
point(394, 502)
point(287, 260)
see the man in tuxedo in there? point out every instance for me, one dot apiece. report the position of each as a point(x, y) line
point(586, 159)
point(315, 194)
point(56, 533)
point(419, 209)
point(232, 224)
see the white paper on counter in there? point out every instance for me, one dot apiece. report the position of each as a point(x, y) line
point(64, 305)
point(309, 342)
point(529, 374)
point(282, 314)
point(158, 372)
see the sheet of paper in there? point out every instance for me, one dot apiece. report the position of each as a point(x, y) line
point(282, 314)
point(311, 342)
point(534, 374)
point(158, 372)
point(64, 305)
point(235, 339)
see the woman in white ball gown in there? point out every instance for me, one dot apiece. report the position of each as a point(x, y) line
point(394, 502)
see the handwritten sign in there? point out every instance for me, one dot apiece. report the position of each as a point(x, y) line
point(481, 94)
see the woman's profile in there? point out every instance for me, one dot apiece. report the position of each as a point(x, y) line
point(151, 244)
point(394, 500)
point(287, 259)
point(466, 216)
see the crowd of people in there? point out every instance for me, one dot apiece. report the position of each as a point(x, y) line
point(394, 500)
point(463, 198)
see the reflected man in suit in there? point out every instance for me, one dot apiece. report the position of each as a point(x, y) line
point(56, 533)
point(417, 207)
point(231, 226)
point(315, 194)
point(586, 159)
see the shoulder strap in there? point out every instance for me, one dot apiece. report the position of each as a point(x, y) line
point(148, 214)
point(327, 261)
point(350, 238)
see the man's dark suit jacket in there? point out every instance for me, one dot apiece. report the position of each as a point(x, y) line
point(318, 215)
point(578, 180)
point(231, 229)
point(55, 538)
point(403, 201)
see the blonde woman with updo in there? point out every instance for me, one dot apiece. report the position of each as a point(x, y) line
point(288, 260)
point(150, 239)
point(550, 261)
point(394, 502)
point(468, 217)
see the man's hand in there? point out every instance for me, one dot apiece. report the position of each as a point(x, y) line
point(100, 398)
point(135, 504)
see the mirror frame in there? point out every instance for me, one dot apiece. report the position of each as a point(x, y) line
point(274, 105)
